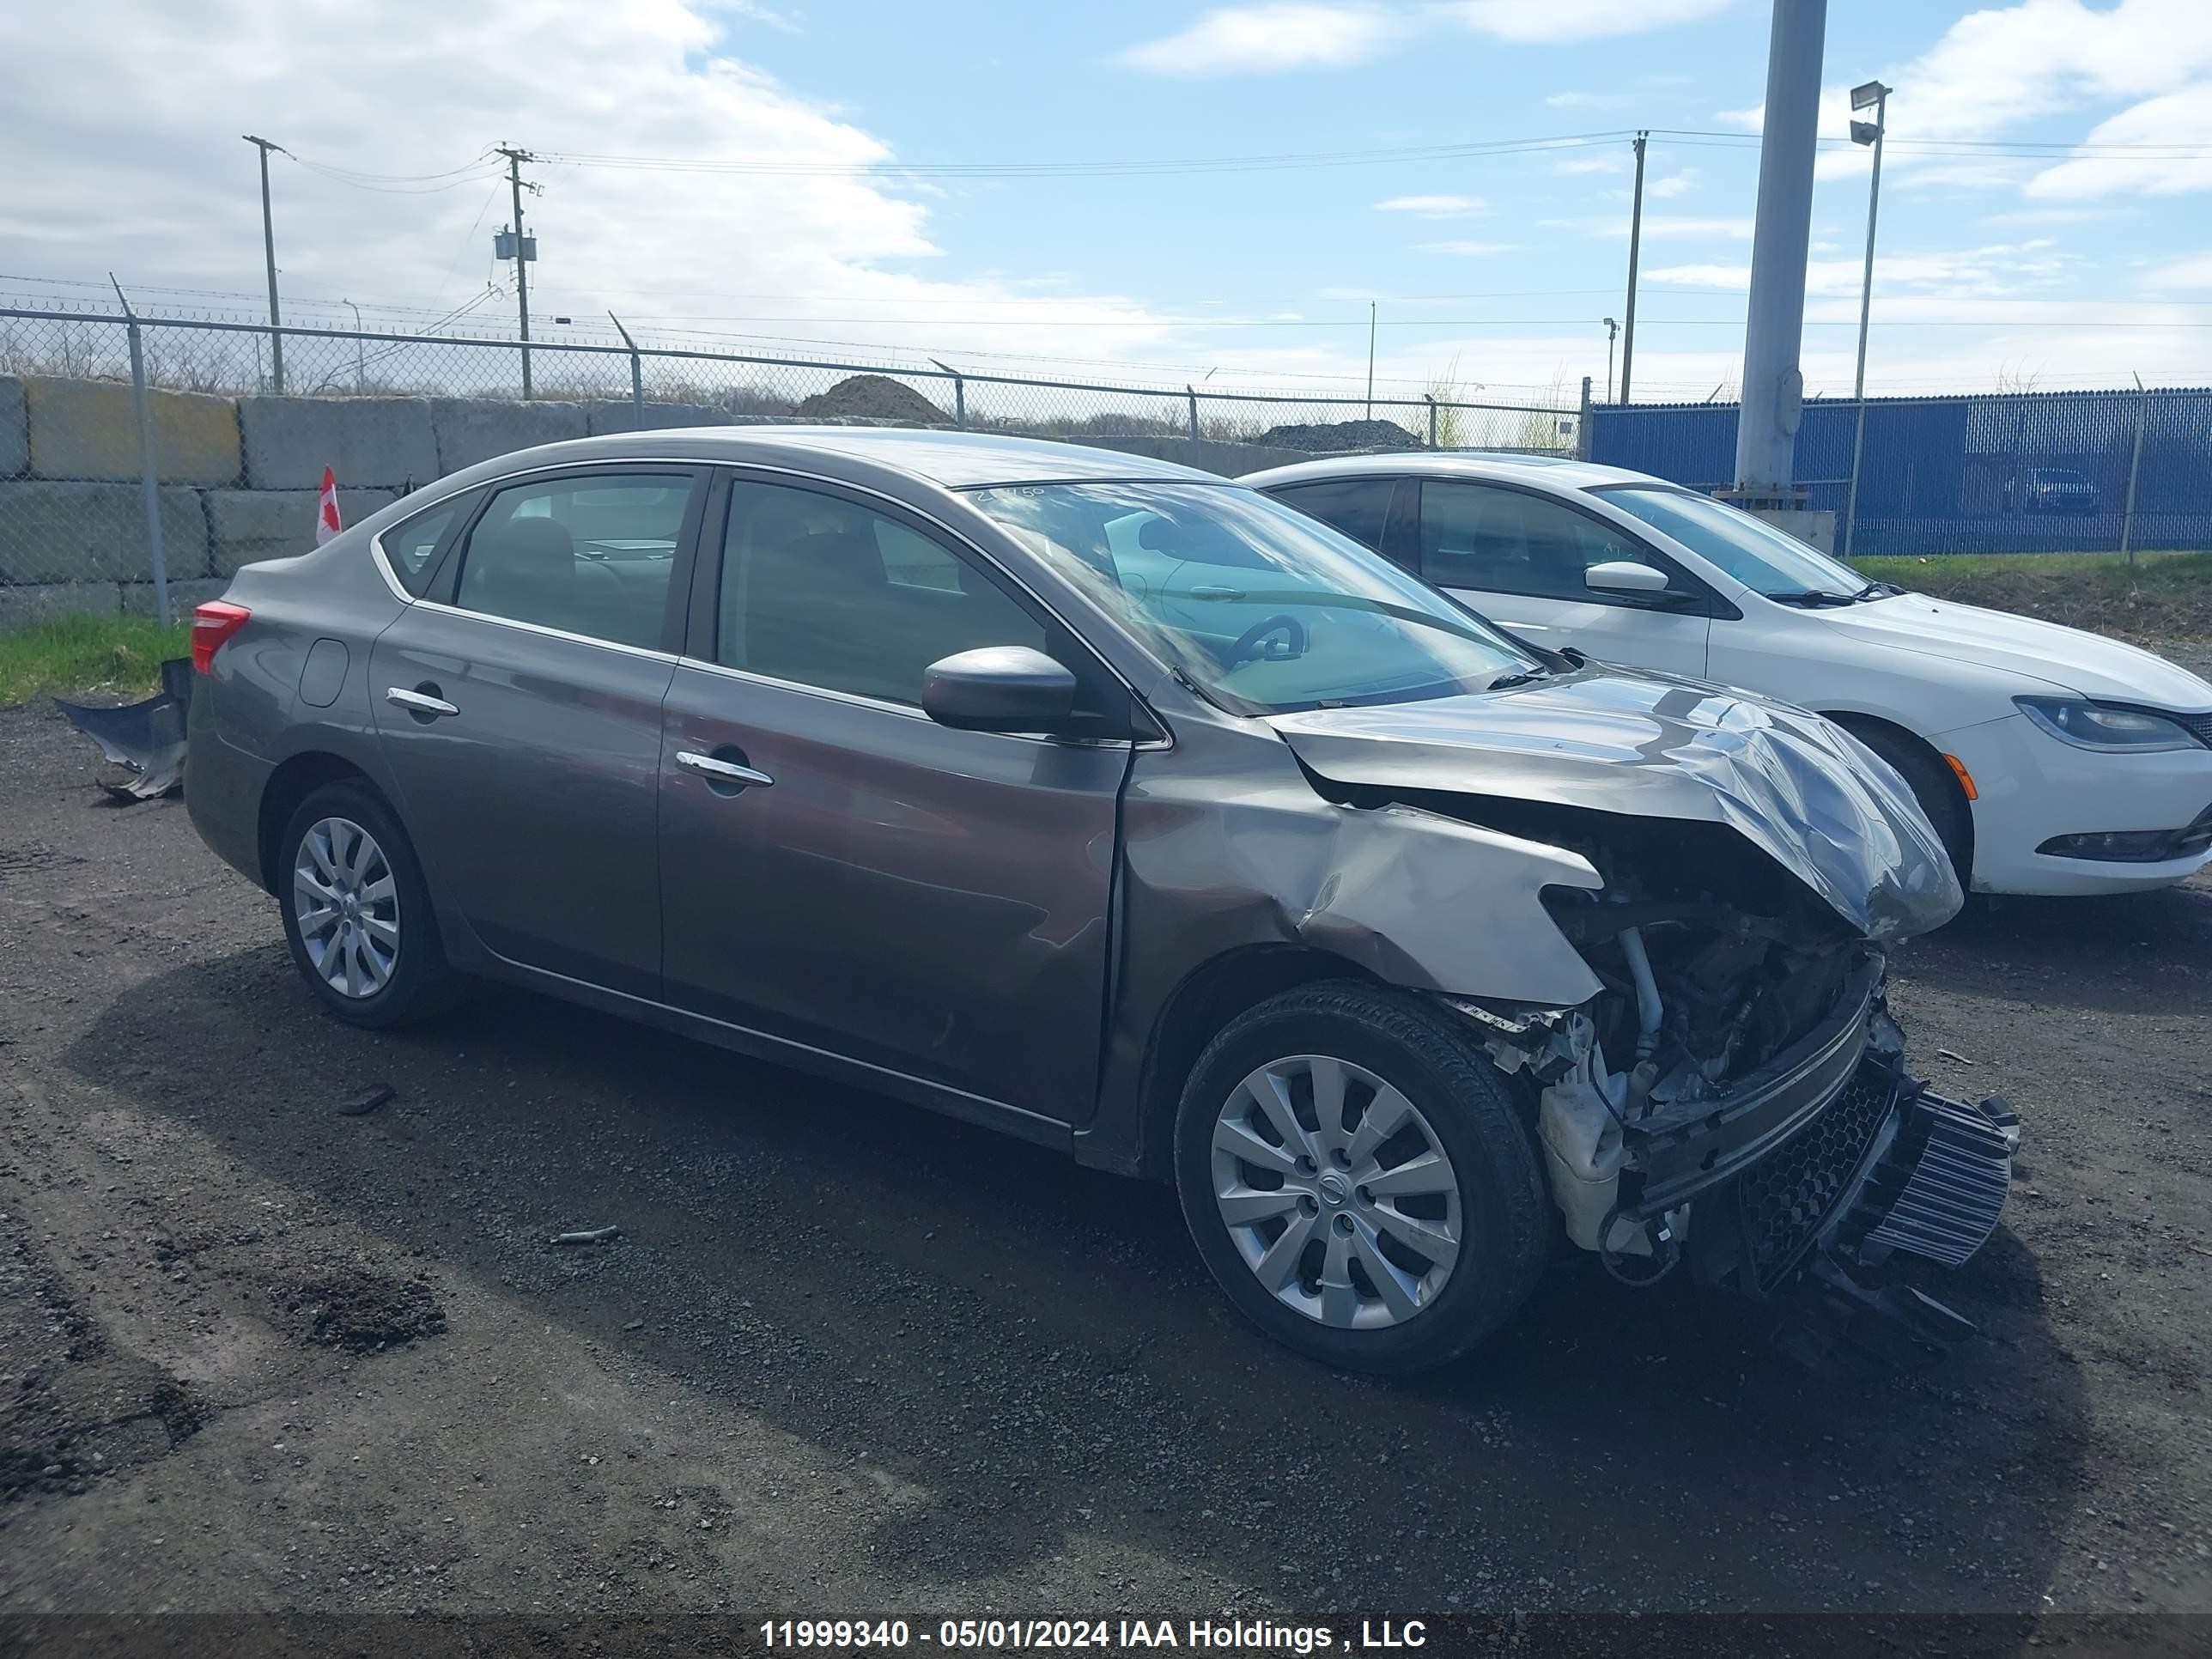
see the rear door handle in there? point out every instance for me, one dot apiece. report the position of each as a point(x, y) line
point(417, 702)
point(722, 771)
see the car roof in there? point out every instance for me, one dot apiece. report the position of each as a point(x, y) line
point(1559, 471)
point(951, 460)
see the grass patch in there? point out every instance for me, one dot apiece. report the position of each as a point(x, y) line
point(2160, 597)
point(115, 655)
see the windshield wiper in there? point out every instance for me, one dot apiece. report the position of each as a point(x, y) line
point(1506, 682)
point(1877, 591)
point(1813, 597)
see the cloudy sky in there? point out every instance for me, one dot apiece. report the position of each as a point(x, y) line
point(995, 182)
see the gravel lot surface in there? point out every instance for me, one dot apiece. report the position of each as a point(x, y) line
point(258, 1353)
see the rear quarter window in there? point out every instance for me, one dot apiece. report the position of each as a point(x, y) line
point(411, 546)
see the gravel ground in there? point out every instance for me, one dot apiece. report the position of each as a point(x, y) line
point(261, 1354)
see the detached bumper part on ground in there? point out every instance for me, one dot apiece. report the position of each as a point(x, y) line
point(148, 736)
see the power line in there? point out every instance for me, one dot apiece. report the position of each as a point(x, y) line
point(1265, 163)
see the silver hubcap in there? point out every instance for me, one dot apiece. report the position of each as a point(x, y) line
point(1336, 1192)
point(347, 907)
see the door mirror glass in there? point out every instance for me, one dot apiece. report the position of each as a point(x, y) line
point(1626, 576)
point(997, 688)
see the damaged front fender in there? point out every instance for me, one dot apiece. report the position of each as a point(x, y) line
point(1637, 745)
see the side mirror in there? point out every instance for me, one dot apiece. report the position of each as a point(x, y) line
point(1626, 576)
point(999, 687)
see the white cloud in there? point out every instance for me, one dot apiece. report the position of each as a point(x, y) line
point(1267, 38)
point(1276, 35)
point(2006, 269)
point(1579, 164)
point(1995, 68)
point(1673, 185)
point(2194, 272)
point(1588, 100)
point(2178, 118)
point(141, 179)
point(1550, 22)
point(1470, 249)
point(1434, 207)
point(1663, 226)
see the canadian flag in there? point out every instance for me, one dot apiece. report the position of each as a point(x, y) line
point(326, 509)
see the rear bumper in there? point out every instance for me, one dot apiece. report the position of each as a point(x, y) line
point(223, 794)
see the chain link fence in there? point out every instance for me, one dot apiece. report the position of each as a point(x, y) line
point(2015, 472)
point(143, 458)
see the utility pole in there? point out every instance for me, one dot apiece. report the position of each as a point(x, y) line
point(268, 253)
point(1371, 359)
point(1774, 323)
point(523, 250)
point(1875, 95)
point(1635, 246)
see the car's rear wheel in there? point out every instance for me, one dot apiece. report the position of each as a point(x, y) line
point(1358, 1180)
point(356, 912)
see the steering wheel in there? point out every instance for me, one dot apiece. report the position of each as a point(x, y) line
point(1247, 648)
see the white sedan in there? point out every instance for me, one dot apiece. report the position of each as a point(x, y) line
point(2051, 761)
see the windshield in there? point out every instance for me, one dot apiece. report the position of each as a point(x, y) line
point(1763, 559)
point(1265, 609)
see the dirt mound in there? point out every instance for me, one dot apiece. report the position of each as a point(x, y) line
point(361, 1311)
point(873, 397)
point(1341, 435)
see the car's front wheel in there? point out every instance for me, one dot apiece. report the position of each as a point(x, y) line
point(356, 912)
point(1359, 1179)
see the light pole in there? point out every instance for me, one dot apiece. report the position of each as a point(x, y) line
point(1876, 96)
point(1611, 333)
point(360, 367)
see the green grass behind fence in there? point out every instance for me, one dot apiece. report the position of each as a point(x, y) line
point(2160, 597)
point(78, 655)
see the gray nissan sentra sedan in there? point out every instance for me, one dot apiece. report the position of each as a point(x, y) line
point(1122, 808)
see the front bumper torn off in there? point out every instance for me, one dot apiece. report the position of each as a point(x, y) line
point(1889, 1169)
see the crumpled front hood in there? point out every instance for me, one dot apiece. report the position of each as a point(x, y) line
point(2050, 652)
point(1800, 789)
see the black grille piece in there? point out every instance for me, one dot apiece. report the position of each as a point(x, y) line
point(1784, 1200)
point(2199, 726)
point(1949, 1206)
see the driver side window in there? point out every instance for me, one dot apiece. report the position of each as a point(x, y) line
point(1507, 541)
point(820, 590)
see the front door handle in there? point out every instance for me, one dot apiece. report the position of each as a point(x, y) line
point(722, 771)
point(418, 702)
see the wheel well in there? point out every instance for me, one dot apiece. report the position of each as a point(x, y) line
point(1213, 995)
point(287, 785)
point(1859, 725)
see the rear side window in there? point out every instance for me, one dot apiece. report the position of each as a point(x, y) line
point(412, 549)
point(591, 556)
point(1357, 507)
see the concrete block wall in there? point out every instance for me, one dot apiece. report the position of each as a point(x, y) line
point(238, 476)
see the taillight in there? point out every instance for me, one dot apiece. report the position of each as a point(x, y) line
point(212, 623)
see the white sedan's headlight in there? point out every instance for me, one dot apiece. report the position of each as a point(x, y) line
point(2104, 726)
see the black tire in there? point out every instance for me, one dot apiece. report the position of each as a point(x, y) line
point(1505, 1223)
point(420, 983)
point(1933, 787)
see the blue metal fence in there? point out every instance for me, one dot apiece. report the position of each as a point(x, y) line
point(2014, 472)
